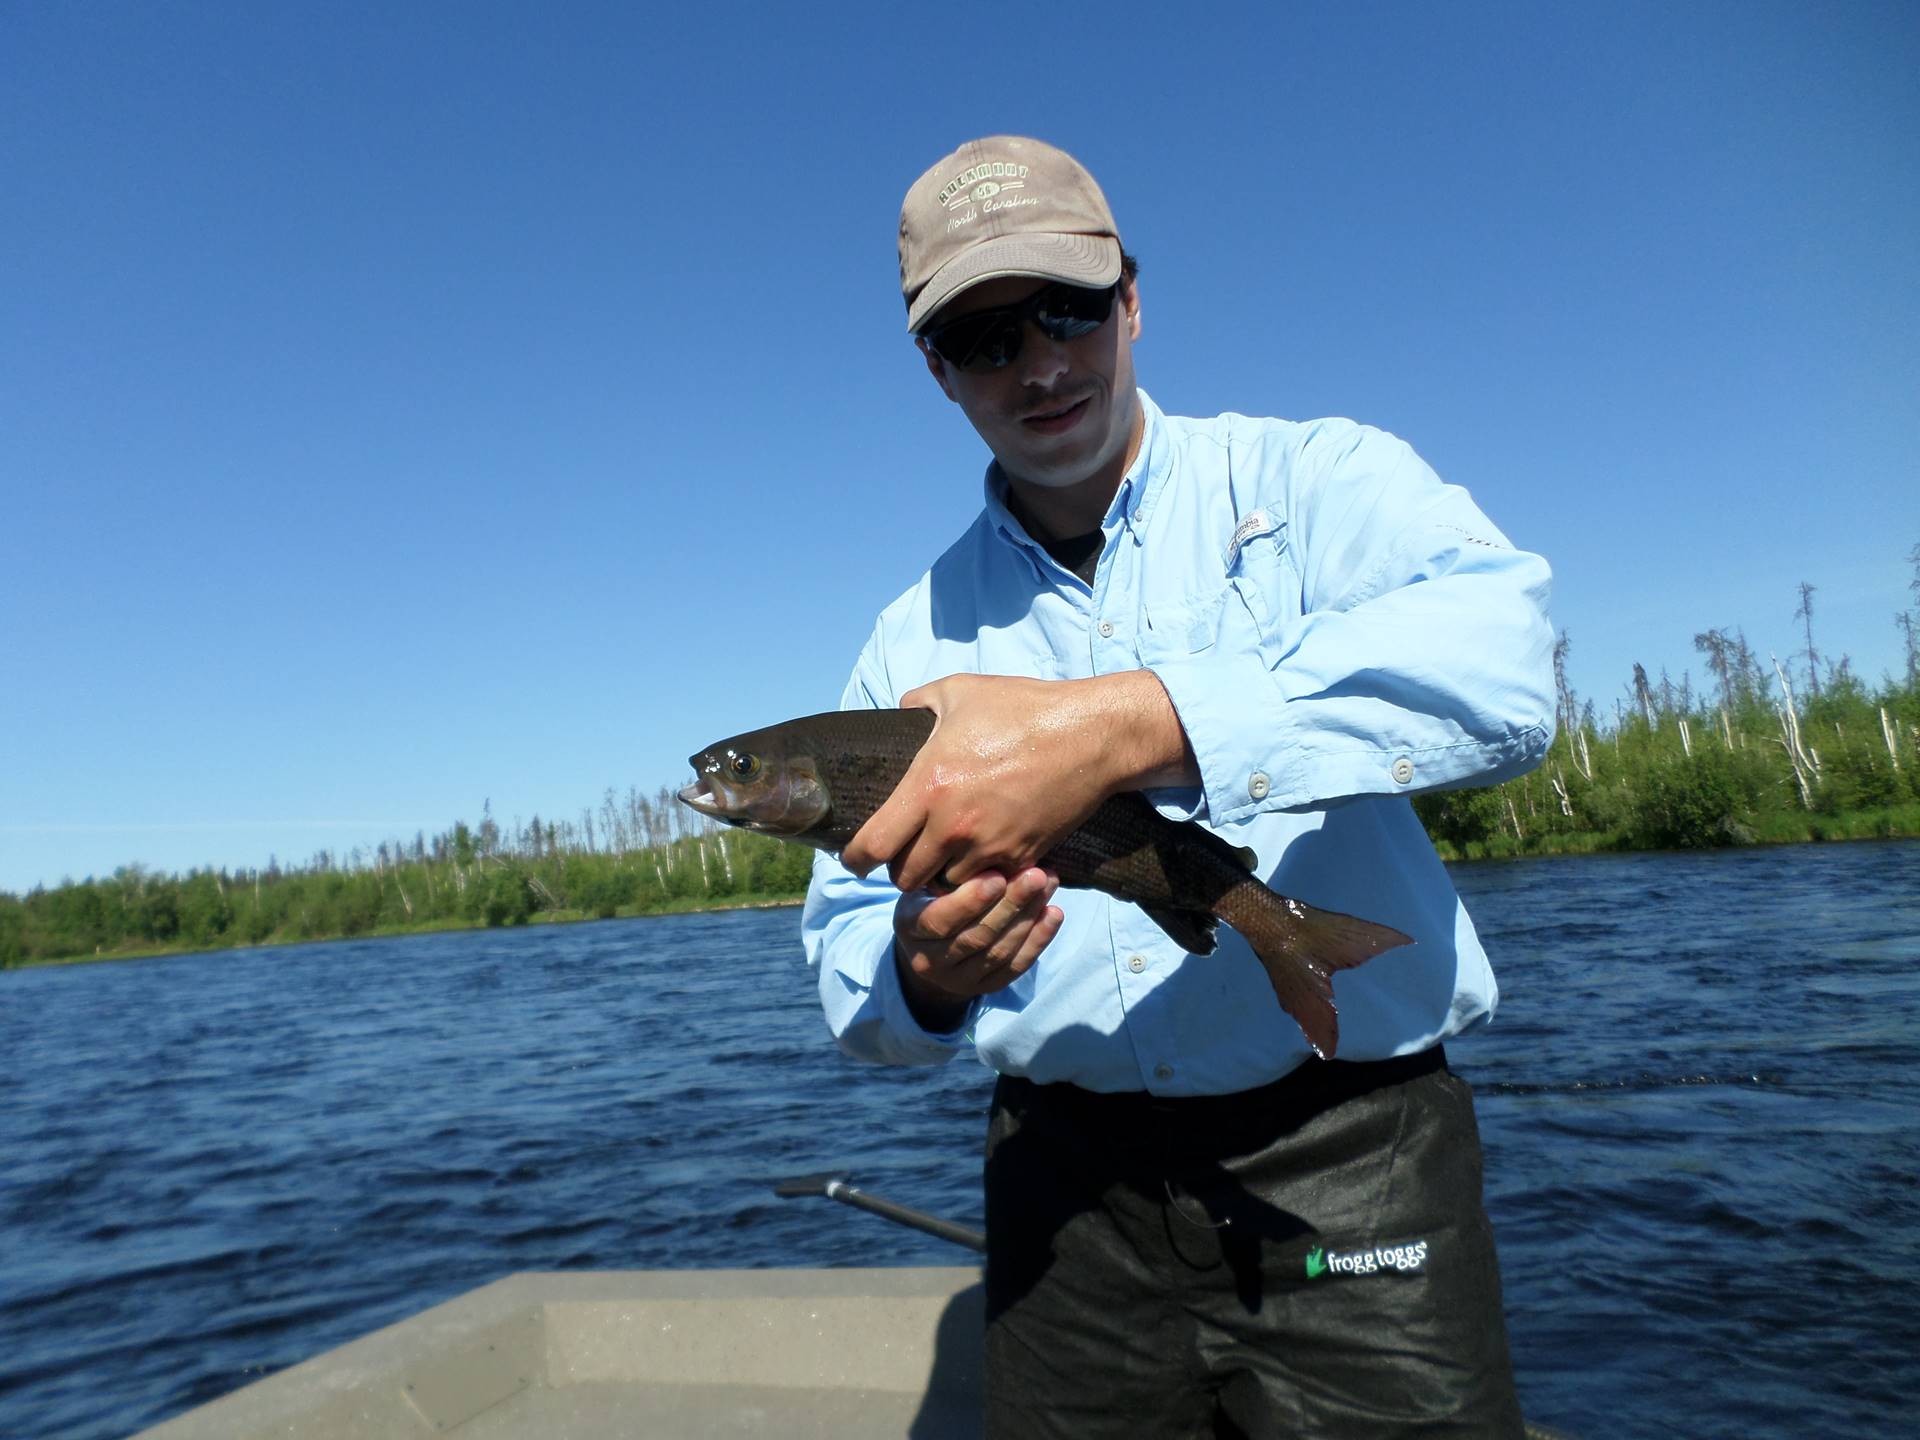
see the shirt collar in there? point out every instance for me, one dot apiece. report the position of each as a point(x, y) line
point(1133, 503)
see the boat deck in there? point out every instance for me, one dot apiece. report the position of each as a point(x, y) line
point(670, 1353)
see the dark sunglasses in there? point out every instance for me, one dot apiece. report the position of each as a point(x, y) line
point(989, 339)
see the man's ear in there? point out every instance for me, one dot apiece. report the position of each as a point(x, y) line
point(1130, 303)
point(937, 368)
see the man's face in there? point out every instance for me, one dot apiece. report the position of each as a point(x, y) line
point(1062, 412)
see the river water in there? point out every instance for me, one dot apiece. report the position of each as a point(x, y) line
point(1698, 1103)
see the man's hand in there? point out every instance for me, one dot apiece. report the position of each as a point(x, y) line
point(972, 941)
point(1012, 767)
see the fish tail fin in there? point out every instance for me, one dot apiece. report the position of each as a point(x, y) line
point(1301, 947)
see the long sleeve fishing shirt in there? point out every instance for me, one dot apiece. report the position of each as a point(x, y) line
point(1338, 630)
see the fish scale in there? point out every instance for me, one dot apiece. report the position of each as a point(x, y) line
point(818, 779)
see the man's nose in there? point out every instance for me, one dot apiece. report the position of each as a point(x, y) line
point(1042, 359)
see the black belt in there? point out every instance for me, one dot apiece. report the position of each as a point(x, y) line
point(1284, 1104)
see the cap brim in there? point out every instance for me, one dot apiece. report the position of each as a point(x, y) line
point(1090, 260)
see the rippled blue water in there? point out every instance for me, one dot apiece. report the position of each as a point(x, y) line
point(1698, 1105)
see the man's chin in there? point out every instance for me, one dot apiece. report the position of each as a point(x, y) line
point(1055, 462)
point(1053, 477)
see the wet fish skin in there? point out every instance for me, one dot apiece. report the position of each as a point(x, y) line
point(817, 779)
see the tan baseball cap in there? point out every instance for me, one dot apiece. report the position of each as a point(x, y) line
point(1003, 206)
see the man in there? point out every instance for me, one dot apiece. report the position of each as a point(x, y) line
point(1282, 631)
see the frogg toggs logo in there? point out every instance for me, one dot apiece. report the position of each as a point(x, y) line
point(1403, 1259)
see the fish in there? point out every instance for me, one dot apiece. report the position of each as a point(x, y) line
point(817, 779)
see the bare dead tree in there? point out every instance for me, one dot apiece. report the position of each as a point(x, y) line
point(610, 824)
point(1805, 614)
point(1568, 713)
point(1720, 650)
point(1804, 760)
point(654, 826)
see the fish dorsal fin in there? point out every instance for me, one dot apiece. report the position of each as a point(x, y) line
point(1192, 930)
point(1247, 857)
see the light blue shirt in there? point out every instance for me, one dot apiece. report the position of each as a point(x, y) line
point(1338, 630)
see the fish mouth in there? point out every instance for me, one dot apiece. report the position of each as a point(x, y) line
point(700, 798)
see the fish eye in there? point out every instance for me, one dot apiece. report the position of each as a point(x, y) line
point(742, 765)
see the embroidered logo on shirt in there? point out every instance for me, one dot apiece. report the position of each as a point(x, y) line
point(1405, 1259)
point(1254, 524)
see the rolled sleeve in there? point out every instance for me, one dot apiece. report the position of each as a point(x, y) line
point(1429, 668)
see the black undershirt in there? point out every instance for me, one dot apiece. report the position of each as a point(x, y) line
point(1078, 553)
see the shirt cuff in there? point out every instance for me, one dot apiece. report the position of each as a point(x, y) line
point(919, 1045)
point(1214, 695)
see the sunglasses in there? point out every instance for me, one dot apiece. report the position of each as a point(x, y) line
point(990, 339)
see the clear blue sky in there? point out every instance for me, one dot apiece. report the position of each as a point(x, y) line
point(403, 406)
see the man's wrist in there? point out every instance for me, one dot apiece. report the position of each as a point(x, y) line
point(1148, 746)
point(936, 1011)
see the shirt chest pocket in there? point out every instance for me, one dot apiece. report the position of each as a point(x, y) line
point(1250, 607)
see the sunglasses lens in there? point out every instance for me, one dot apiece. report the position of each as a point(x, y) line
point(998, 345)
point(1066, 312)
point(979, 342)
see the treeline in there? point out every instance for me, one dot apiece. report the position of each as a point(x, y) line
point(1756, 756)
point(630, 856)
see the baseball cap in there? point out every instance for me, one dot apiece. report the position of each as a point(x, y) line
point(1005, 205)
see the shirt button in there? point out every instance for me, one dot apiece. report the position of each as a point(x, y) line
point(1402, 770)
point(1258, 785)
point(1163, 1072)
point(1136, 963)
point(1106, 629)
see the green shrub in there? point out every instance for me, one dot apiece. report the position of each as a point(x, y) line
point(1697, 802)
point(1463, 818)
point(509, 899)
point(13, 932)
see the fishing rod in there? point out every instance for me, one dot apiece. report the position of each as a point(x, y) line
point(842, 1188)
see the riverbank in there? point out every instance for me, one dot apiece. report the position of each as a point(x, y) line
point(1900, 822)
point(425, 927)
point(1895, 823)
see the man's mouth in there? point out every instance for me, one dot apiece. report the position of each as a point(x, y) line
point(1057, 419)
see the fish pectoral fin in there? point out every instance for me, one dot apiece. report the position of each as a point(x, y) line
point(1195, 931)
